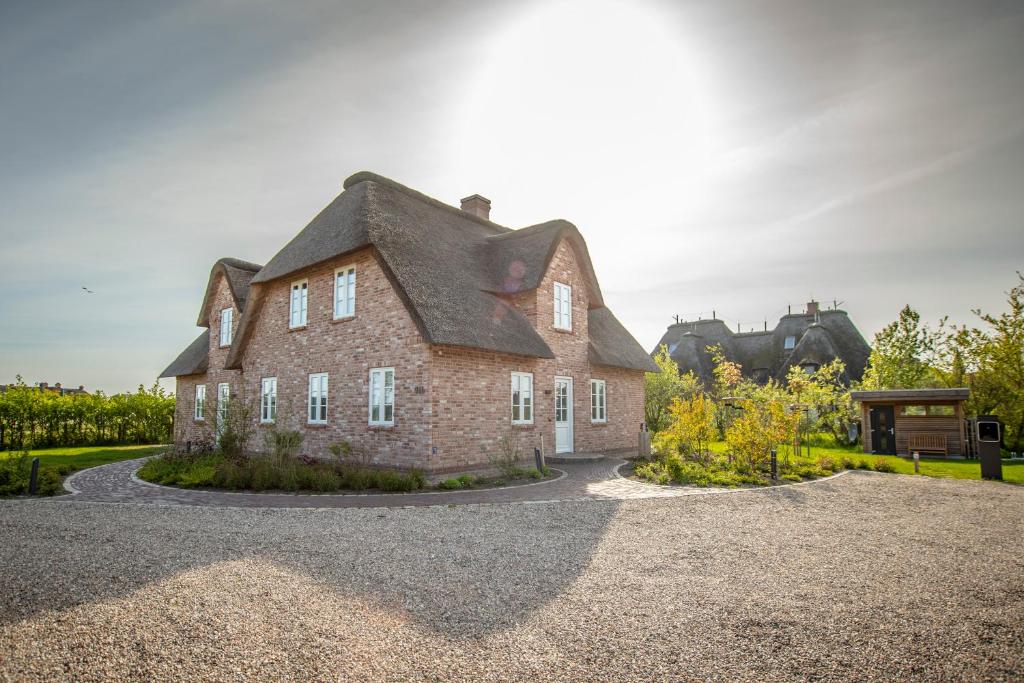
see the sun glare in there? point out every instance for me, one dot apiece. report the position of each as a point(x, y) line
point(595, 90)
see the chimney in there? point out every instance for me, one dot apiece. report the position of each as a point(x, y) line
point(81, 387)
point(43, 385)
point(57, 385)
point(477, 205)
point(812, 308)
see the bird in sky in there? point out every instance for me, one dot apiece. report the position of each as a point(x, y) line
point(88, 291)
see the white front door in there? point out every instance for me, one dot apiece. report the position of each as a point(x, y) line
point(563, 415)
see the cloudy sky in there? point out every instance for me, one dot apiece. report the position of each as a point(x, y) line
point(735, 155)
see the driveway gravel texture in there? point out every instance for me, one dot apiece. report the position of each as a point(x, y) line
point(862, 577)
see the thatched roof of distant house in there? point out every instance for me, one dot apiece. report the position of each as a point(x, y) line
point(453, 270)
point(817, 338)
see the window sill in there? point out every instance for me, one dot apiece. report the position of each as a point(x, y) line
point(224, 346)
point(316, 425)
point(300, 328)
point(599, 423)
point(561, 330)
point(343, 319)
point(199, 419)
point(266, 424)
point(523, 425)
point(380, 427)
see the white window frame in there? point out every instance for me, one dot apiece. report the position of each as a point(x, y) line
point(226, 317)
point(199, 412)
point(525, 402)
point(563, 306)
point(298, 304)
point(345, 295)
point(268, 400)
point(786, 345)
point(378, 397)
point(317, 403)
point(223, 399)
point(598, 401)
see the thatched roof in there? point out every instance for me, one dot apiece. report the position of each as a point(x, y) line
point(193, 360)
point(817, 340)
point(238, 274)
point(452, 269)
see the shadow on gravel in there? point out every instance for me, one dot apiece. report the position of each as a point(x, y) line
point(462, 571)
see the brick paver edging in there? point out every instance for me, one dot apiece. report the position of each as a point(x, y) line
point(117, 483)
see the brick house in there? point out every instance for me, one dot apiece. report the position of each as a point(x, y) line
point(420, 332)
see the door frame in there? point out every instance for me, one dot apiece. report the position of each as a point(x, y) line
point(570, 415)
point(891, 412)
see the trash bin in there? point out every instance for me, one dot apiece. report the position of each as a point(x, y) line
point(990, 438)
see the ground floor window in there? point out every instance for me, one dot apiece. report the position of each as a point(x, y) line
point(318, 398)
point(200, 410)
point(223, 398)
point(598, 409)
point(522, 398)
point(268, 399)
point(382, 396)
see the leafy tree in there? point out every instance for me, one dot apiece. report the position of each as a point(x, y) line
point(664, 386)
point(900, 353)
point(691, 427)
point(763, 423)
point(825, 399)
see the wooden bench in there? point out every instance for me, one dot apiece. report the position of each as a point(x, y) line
point(931, 443)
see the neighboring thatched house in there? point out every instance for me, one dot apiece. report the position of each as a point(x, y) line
point(418, 331)
point(807, 340)
point(51, 389)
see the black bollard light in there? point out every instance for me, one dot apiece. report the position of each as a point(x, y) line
point(33, 478)
point(539, 459)
point(775, 466)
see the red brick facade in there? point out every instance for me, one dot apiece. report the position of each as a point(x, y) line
point(452, 404)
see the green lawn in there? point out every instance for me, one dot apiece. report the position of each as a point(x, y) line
point(1013, 472)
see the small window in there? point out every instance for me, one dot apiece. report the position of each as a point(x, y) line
point(299, 304)
point(382, 396)
point(345, 292)
point(598, 411)
point(223, 399)
point(200, 411)
point(942, 411)
point(672, 348)
point(268, 400)
point(790, 343)
point(522, 398)
point(563, 306)
point(225, 326)
point(318, 398)
point(914, 411)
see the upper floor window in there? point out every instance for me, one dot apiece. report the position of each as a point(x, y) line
point(299, 304)
point(598, 409)
point(790, 343)
point(345, 292)
point(200, 411)
point(522, 398)
point(268, 399)
point(225, 326)
point(318, 398)
point(563, 306)
point(382, 396)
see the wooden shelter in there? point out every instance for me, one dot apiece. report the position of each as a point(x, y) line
point(902, 421)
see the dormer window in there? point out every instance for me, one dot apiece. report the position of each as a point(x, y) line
point(345, 292)
point(790, 343)
point(299, 304)
point(563, 306)
point(225, 326)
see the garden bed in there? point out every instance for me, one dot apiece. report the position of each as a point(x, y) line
point(297, 475)
point(57, 463)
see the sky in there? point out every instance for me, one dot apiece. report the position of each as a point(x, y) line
point(736, 156)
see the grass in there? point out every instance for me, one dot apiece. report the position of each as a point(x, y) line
point(57, 463)
point(1013, 472)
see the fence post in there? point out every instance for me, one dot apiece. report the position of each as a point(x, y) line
point(33, 478)
point(917, 463)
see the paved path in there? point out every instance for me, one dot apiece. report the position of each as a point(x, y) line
point(598, 480)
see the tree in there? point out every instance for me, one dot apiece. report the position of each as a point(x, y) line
point(900, 353)
point(763, 423)
point(691, 427)
point(663, 386)
point(826, 398)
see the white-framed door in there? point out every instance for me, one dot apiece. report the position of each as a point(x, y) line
point(563, 415)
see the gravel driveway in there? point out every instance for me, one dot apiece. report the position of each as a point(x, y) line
point(866, 577)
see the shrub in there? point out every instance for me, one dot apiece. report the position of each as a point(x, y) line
point(450, 484)
point(849, 463)
point(467, 480)
point(827, 464)
point(14, 474)
point(863, 464)
point(283, 444)
point(883, 465)
point(791, 476)
point(508, 455)
point(48, 482)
